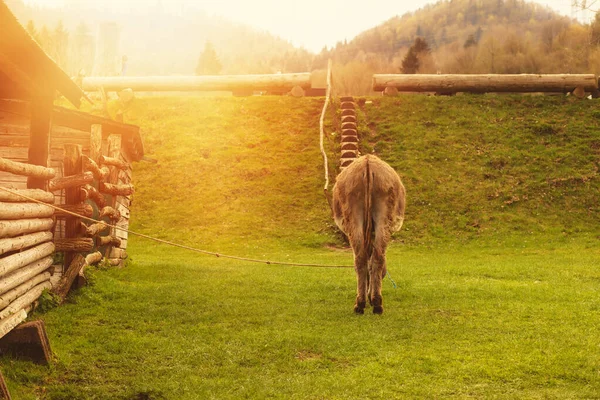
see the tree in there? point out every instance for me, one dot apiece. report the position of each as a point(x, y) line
point(412, 60)
point(208, 63)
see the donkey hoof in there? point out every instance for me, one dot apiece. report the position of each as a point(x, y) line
point(378, 310)
point(359, 310)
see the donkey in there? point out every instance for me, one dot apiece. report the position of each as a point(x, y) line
point(368, 205)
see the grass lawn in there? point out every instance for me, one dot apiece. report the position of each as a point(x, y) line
point(497, 266)
point(514, 322)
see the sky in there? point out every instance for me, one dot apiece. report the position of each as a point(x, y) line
point(311, 24)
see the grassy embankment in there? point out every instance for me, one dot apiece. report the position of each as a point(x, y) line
point(497, 265)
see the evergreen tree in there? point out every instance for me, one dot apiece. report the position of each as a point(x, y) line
point(411, 61)
point(208, 63)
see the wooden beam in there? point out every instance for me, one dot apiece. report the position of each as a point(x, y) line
point(82, 209)
point(115, 162)
point(111, 213)
point(124, 189)
point(24, 258)
point(23, 242)
point(108, 241)
point(268, 82)
point(25, 211)
point(22, 226)
point(71, 181)
point(11, 295)
point(35, 194)
point(25, 299)
point(91, 193)
point(8, 324)
point(80, 245)
point(516, 83)
point(18, 168)
point(76, 265)
point(22, 275)
point(39, 136)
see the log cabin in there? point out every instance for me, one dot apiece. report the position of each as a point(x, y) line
point(54, 155)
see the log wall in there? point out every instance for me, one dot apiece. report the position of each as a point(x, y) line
point(26, 240)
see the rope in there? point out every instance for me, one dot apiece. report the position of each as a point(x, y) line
point(321, 125)
point(182, 246)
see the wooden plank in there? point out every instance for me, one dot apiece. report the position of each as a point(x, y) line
point(28, 340)
point(474, 83)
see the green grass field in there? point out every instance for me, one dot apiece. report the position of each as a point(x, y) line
point(497, 266)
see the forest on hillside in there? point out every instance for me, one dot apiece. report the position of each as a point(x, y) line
point(450, 36)
point(469, 36)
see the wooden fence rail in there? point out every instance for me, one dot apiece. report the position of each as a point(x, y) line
point(267, 82)
point(517, 83)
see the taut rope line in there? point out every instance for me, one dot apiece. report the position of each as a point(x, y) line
point(182, 246)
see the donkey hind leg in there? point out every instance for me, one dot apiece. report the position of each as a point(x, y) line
point(362, 274)
point(377, 267)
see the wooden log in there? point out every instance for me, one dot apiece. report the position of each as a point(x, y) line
point(93, 258)
point(26, 257)
point(94, 229)
point(348, 125)
point(23, 242)
point(82, 245)
point(91, 166)
point(20, 276)
point(111, 213)
point(348, 118)
point(17, 168)
point(114, 162)
point(95, 142)
point(24, 211)
point(118, 253)
point(8, 324)
point(73, 166)
point(517, 83)
point(39, 134)
point(72, 181)
point(23, 226)
point(347, 105)
point(108, 241)
point(91, 193)
point(11, 295)
point(125, 189)
point(81, 209)
point(35, 194)
point(28, 340)
point(25, 300)
point(271, 83)
point(348, 112)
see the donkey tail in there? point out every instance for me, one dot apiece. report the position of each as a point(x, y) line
point(368, 217)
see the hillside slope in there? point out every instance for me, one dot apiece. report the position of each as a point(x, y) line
point(247, 171)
